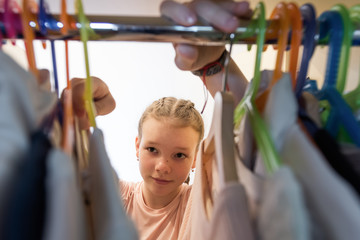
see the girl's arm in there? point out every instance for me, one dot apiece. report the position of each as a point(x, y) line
point(223, 15)
point(236, 82)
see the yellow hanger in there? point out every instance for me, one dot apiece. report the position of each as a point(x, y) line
point(85, 32)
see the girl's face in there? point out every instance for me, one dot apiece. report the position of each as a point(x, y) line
point(166, 154)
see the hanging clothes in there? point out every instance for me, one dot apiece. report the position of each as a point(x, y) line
point(218, 205)
point(108, 215)
point(23, 106)
point(278, 196)
point(245, 150)
point(333, 218)
point(65, 216)
point(24, 216)
point(216, 215)
point(352, 154)
point(282, 213)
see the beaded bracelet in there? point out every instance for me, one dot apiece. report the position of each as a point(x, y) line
point(212, 68)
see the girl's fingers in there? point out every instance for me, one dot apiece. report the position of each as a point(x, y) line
point(103, 100)
point(178, 12)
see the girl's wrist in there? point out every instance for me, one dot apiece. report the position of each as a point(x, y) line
point(212, 68)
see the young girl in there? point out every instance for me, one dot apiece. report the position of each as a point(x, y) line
point(170, 129)
point(169, 134)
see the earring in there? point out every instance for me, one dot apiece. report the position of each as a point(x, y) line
point(137, 159)
point(192, 170)
point(187, 179)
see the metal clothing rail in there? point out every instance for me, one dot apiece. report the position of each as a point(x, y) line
point(157, 29)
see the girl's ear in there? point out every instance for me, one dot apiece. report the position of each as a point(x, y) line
point(194, 163)
point(137, 145)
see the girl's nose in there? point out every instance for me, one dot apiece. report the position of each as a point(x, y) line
point(163, 166)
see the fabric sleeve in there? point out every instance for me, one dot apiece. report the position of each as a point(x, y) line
point(126, 189)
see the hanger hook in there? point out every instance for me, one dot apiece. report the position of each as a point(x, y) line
point(226, 63)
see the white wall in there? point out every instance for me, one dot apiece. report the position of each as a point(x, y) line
point(138, 73)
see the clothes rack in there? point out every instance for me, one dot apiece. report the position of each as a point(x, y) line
point(157, 29)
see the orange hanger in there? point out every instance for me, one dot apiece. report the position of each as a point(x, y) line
point(64, 18)
point(28, 17)
point(67, 141)
point(68, 23)
point(296, 37)
point(68, 118)
point(280, 13)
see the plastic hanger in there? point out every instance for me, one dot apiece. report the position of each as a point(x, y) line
point(309, 19)
point(355, 13)
point(280, 13)
point(9, 20)
point(48, 121)
point(353, 97)
point(346, 44)
point(65, 19)
point(67, 141)
point(296, 38)
point(220, 140)
point(47, 21)
point(331, 25)
point(68, 120)
point(343, 65)
point(1, 35)
point(28, 18)
point(85, 33)
point(247, 104)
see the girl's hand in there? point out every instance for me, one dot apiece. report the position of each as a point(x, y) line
point(103, 100)
point(223, 15)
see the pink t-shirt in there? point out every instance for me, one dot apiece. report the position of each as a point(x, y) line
point(163, 223)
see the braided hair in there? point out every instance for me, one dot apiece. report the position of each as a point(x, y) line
point(181, 111)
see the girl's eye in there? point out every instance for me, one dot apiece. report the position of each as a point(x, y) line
point(180, 155)
point(151, 149)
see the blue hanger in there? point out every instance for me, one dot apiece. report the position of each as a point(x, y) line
point(47, 21)
point(309, 21)
point(331, 25)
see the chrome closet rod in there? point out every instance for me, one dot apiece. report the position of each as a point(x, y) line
point(158, 29)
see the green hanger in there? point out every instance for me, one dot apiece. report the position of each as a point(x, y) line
point(247, 104)
point(346, 45)
point(344, 57)
point(353, 97)
point(355, 13)
point(85, 33)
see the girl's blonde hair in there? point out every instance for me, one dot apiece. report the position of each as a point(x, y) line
point(181, 111)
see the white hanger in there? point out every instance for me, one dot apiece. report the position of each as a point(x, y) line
point(220, 140)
